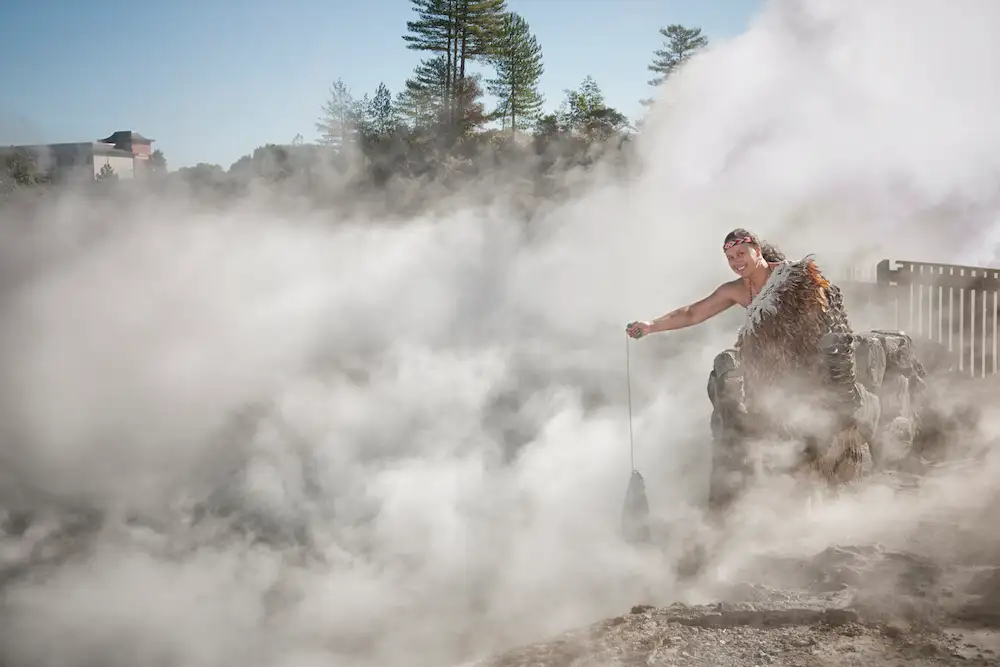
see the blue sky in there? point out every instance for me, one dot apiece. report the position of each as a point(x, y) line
point(210, 80)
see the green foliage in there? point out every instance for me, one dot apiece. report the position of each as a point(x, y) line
point(585, 114)
point(270, 162)
point(680, 43)
point(378, 122)
point(461, 30)
point(106, 173)
point(433, 30)
point(203, 173)
point(337, 125)
point(157, 162)
point(548, 126)
point(518, 62)
point(436, 31)
point(425, 95)
point(18, 169)
point(360, 117)
point(436, 127)
point(471, 112)
point(381, 113)
point(482, 23)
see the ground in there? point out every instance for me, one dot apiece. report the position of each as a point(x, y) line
point(927, 592)
point(830, 618)
point(747, 635)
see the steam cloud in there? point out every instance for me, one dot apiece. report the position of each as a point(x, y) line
point(402, 444)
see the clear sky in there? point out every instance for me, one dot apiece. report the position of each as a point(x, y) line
point(210, 80)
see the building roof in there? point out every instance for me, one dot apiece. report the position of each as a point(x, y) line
point(102, 148)
point(126, 135)
point(47, 147)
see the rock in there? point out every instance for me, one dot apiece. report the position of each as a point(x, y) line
point(703, 635)
point(888, 382)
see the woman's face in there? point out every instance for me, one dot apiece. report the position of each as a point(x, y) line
point(742, 258)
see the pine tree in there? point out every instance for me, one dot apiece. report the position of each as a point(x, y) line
point(423, 100)
point(462, 30)
point(480, 24)
point(362, 118)
point(679, 44)
point(585, 113)
point(382, 113)
point(338, 123)
point(471, 112)
point(158, 162)
point(518, 62)
point(435, 31)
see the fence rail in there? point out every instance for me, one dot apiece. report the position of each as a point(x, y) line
point(956, 306)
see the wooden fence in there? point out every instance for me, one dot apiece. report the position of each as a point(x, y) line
point(953, 305)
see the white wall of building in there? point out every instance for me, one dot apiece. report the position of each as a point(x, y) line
point(123, 166)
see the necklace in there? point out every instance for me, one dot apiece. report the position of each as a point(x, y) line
point(751, 287)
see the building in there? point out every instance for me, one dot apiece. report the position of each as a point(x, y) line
point(127, 153)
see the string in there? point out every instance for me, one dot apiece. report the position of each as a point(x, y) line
point(628, 379)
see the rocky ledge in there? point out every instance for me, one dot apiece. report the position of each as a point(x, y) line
point(839, 612)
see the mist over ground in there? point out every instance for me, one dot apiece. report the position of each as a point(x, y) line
point(267, 438)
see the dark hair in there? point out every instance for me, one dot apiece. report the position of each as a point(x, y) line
point(769, 251)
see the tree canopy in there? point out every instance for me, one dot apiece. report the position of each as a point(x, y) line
point(477, 87)
point(518, 62)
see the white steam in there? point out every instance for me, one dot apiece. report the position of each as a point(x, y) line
point(412, 440)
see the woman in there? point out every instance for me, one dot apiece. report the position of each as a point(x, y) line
point(750, 258)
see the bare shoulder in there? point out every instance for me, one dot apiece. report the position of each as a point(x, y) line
point(732, 287)
point(734, 291)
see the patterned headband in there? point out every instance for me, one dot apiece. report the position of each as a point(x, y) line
point(737, 241)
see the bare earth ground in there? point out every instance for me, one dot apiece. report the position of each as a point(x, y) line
point(937, 617)
point(930, 599)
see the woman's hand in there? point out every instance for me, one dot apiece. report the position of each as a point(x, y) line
point(639, 329)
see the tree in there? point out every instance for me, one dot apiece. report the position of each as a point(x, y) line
point(203, 176)
point(434, 31)
point(202, 172)
point(360, 115)
point(482, 22)
point(18, 168)
point(106, 173)
point(462, 30)
point(471, 110)
point(518, 62)
point(269, 162)
point(585, 113)
point(157, 162)
point(338, 123)
point(382, 118)
point(679, 45)
point(424, 98)
point(548, 126)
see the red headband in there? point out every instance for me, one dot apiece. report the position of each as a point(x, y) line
point(737, 241)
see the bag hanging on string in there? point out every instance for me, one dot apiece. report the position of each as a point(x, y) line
point(635, 513)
